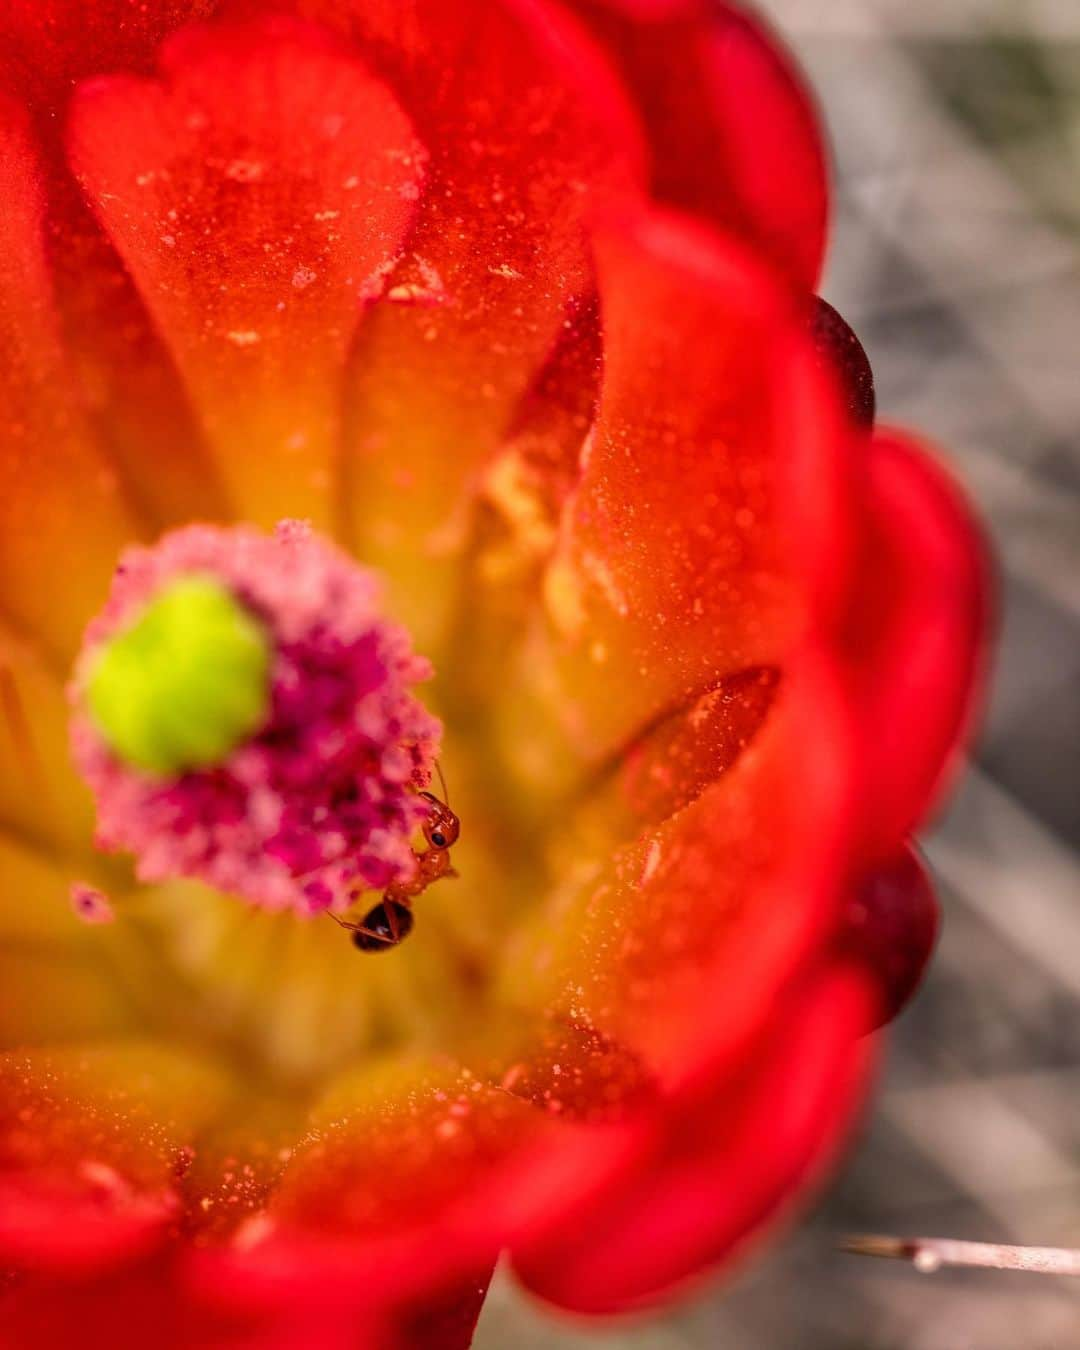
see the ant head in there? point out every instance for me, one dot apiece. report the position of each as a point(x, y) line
point(442, 827)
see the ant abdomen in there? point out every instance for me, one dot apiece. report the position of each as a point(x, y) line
point(385, 926)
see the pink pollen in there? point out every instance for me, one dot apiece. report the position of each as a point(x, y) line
point(321, 802)
point(90, 904)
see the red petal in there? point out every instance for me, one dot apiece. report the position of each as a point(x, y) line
point(672, 572)
point(730, 1158)
point(252, 193)
point(58, 498)
point(733, 129)
point(913, 636)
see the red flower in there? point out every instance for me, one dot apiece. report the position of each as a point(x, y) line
point(516, 303)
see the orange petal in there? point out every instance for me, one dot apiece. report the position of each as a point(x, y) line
point(564, 1069)
point(53, 995)
point(528, 132)
point(390, 1145)
point(252, 192)
point(41, 796)
point(36, 914)
point(671, 763)
point(133, 395)
point(676, 946)
point(127, 381)
point(58, 498)
point(522, 491)
point(392, 1192)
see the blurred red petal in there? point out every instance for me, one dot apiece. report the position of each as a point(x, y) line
point(78, 1227)
point(728, 1161)
point(149, 1303)
point(92, 1143)
point(733, 130)
point(839, 345)
point(446, 1321)
point(913, 636)
point(253, 193)
point(49, 45)
point(891, 923)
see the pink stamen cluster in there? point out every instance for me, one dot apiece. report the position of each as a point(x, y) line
point(318, 804)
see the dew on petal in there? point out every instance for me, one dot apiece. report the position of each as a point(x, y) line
point(245, 170)
point(422, 285)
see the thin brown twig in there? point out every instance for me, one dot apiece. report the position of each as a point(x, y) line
point(929, 1254)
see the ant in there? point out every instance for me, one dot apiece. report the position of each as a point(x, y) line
point(391, 920)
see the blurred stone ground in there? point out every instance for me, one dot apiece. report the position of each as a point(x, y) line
point(956, 254)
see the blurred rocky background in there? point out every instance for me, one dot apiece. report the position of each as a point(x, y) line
point(956, 255)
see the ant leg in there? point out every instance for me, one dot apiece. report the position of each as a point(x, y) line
point(390, 910)
point(375, 934)
point(346, 923)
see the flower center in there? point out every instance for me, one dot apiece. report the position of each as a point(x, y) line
point(245, 718)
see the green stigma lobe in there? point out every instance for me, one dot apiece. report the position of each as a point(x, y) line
point(186, 683)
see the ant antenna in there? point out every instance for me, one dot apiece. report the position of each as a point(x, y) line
point(442, 780)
